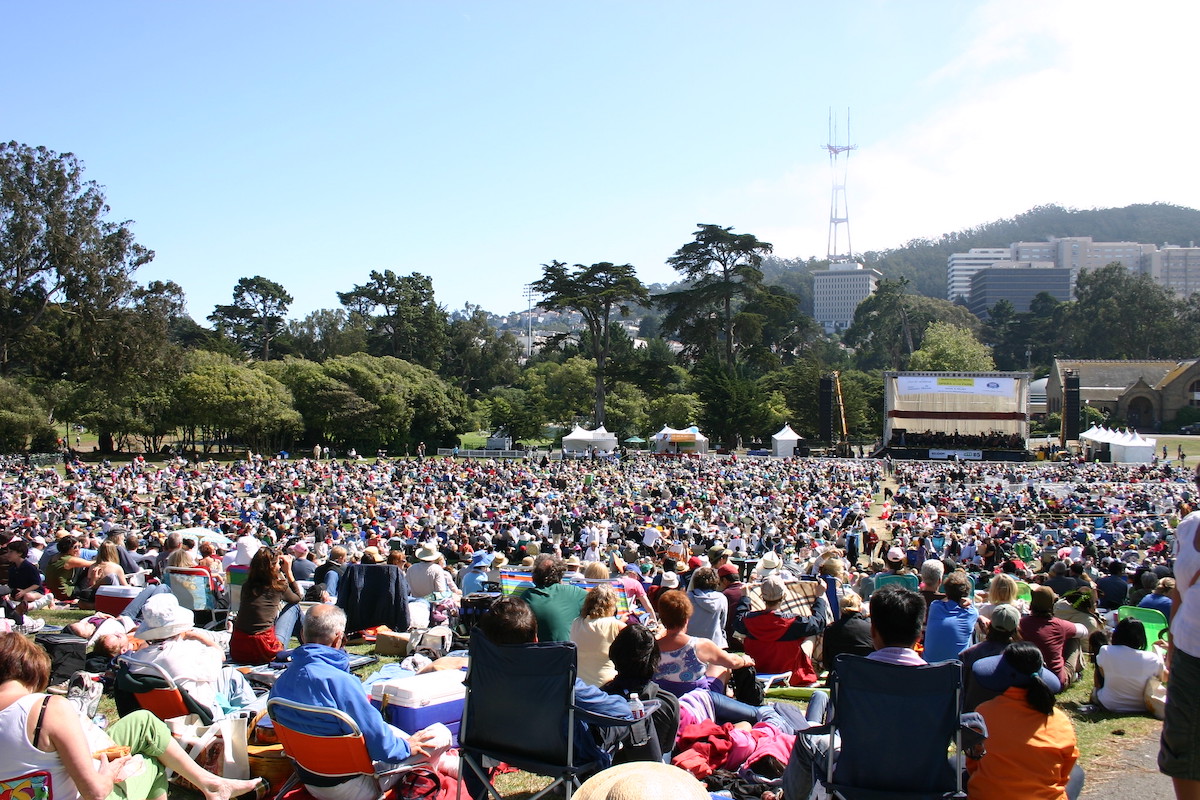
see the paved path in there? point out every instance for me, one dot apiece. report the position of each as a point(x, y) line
point(1130, 771)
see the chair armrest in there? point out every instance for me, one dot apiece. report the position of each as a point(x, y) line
point(604, 720)
point(974, 730)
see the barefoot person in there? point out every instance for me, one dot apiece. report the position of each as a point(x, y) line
point(43, 733)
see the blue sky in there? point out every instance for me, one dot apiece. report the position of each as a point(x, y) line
point(474, 141)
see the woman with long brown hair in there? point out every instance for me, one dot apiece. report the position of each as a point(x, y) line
point(260, 629)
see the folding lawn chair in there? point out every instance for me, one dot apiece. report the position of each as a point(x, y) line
point(327, 758)
point(1152, 620)
point(155, 691)
point(193, 588)
point(520, 702)
point(870, 702)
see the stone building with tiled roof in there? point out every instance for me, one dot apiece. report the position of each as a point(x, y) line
point(1143, 394)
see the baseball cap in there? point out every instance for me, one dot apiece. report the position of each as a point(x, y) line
point(1005, 618)
point(772, 589)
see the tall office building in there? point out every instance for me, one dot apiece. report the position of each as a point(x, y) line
point(1175, 268)
point(1018, 283)
point(961, 266)
point(838, 290)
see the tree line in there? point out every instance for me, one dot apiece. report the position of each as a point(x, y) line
point(729, 347)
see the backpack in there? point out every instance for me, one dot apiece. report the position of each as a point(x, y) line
point(746, 688)
point(433, 642)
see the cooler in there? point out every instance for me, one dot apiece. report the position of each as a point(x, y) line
point(113, 599)
point(421, 700)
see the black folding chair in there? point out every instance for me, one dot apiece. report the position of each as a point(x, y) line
point(520, 709)
point(895, 725)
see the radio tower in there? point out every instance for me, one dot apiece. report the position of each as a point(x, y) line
point(837, 291)
point(839, 214)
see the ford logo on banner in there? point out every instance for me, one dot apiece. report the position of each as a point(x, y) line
point(993, 385)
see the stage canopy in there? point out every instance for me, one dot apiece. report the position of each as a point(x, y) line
point(967, 403)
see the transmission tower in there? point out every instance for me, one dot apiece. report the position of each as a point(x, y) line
point(839, 214)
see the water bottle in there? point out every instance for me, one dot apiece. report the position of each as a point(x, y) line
point(636, 709)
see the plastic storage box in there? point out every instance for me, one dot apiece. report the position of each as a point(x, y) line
point(419, 701)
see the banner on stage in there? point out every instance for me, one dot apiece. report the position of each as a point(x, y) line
point(933, 384)
point(963, 455)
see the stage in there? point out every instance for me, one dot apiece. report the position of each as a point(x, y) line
point(965, 456)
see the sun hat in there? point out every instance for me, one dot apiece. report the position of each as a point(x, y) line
point(527, 561)
point(642, 780)
point(1005, 618)
point(372, 553)
point(427, 552)
point(573, 561)
point(670, 580)
point(481, 559)
point(163, 617)
point(773, 589)
point(245, 549)
point(770, 561)
point(996, 674)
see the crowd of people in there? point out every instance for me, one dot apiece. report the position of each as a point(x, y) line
point(997, 565)
point(992, 440)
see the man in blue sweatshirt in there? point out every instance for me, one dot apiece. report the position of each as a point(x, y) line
point(319, 675)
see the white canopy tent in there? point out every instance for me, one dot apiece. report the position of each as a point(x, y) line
point(783, 444)
point(688, 440)
point(582, 440)
point(1126, 447)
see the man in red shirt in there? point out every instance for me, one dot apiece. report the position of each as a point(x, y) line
point(1050, 633)
point(734, 590)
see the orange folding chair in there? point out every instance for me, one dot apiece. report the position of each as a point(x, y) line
point(156, 692)
point(319, 758)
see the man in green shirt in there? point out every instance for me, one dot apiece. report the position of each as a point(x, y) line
point(554, 603)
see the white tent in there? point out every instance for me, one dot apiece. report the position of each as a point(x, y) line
point(688, 440)
point(582, 440)
point(1126, 447)
point(604, 441)
point(577, 441)
point(784, 443)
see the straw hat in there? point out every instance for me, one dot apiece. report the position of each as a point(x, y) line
point(427, 552)
point(642, 780)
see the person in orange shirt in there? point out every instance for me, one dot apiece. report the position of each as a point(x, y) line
point(1031, 749)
